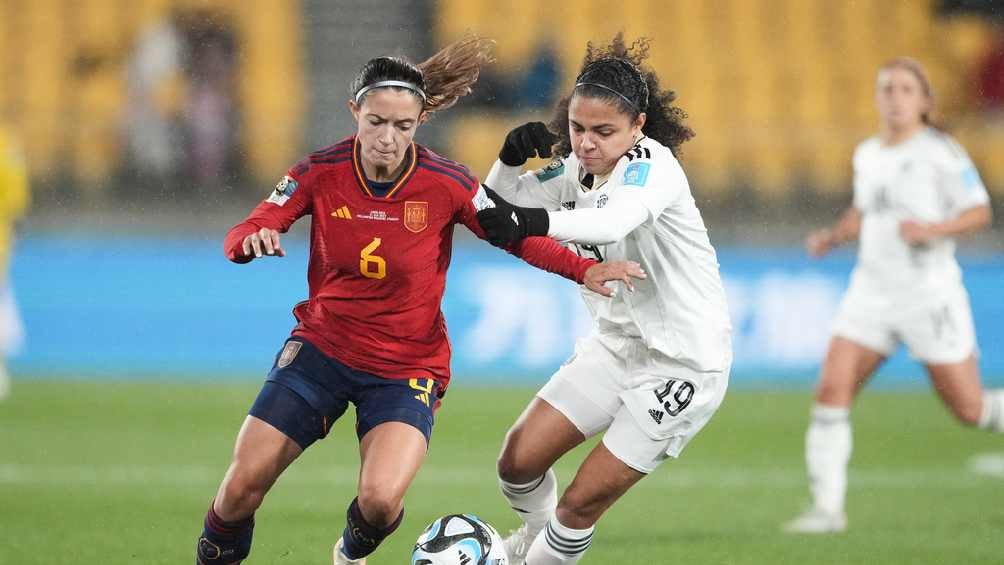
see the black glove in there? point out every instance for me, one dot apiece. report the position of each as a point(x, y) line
point(526, 141)
point(505, 224)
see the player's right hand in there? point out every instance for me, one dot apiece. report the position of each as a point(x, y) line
point(819, 243)
point(601, 273)
point(263, 242)
point(526, 141)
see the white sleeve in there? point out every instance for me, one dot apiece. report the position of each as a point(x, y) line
point(531, 189)
point(960, 180)
point(641, 189)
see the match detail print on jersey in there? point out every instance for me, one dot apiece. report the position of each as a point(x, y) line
point(372, 266)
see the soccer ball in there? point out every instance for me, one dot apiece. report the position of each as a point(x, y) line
point(459, 539)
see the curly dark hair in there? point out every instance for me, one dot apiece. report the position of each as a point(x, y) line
point(615, 74)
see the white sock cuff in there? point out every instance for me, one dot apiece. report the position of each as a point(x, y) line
point(517, 489)
point(825, 413)
point(565, 540)
point(992, 416)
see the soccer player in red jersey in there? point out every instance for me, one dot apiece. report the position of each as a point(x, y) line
point(383, 211)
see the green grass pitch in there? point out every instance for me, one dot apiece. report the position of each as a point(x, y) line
point(99, 473)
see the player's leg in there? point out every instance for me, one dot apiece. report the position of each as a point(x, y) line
point(288, 415)
point(261, 454)
point(601, 480)
point(539, 437)
point(828, 440)
point(944, 338)
point(576, 403)
point(395, 420)
point(655, 421)
point(391, 455)
point(958, 385)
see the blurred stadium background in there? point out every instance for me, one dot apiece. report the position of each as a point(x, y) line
point(149, 127)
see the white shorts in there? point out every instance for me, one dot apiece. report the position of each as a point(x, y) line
point(936, 330)
point(650, 405)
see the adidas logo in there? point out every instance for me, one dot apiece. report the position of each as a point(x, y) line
point(342, 213)
point(464, 559)
point(424, 398)
point(656, 415)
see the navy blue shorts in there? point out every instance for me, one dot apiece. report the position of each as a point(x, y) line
point(307, 391)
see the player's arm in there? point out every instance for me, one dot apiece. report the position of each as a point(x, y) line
point(961, 183)
point(533, 189)
point(546, 254)
point(846, 228)
point(258, 234)
point(642, 189)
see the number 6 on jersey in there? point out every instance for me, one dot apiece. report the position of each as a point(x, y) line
point(372, 266)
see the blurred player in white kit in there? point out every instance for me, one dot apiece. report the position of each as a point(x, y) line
point(915, 190)
point(656, 366)
point(14, 202)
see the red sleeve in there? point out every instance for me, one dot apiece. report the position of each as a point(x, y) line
point(289, 201)
point(541, 252)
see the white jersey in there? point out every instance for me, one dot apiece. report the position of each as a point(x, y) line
point(927, 178)
point(680, 309)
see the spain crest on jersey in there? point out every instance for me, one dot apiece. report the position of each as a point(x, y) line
point(416, 216)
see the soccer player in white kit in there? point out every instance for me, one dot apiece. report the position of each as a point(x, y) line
point(656, 365)
point(915, 189)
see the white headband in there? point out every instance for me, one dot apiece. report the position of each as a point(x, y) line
point(399, 83)
point(605, 87)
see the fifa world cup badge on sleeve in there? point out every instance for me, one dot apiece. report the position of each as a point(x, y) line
point(416, 216)
point(283, 191)
point(636, 174)
point(289, 353)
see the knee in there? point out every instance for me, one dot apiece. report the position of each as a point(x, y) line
point(514, 467)
point(578, 512)
point(968, 414)
point(242, 492)
point(379, 506)
point(833, 394)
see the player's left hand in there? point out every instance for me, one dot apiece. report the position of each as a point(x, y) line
point(916, 233)
point(622, 271)
point(505, 224)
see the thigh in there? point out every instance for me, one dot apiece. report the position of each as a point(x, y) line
point(261, 454)
point(658, 419)
point(306, 393)
point(586, 388)
point(864, 318)
point(264, 449)
point(958, 385)
point(390, 456)
point(600, 481)
point(540, 436)
point(941, 332)
point(846, 368)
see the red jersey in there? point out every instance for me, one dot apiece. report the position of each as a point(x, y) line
point(378, 265)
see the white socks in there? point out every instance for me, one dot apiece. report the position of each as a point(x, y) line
point(827, 452)
point(534, 501)
point(558, 545)
point(992, 417)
